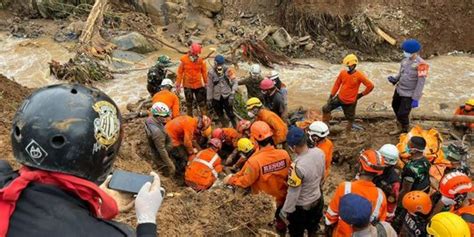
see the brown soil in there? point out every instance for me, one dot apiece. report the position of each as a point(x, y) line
point(11, 95)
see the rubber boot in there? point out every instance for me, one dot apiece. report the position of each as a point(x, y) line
point(233, 122)
point(397, 130)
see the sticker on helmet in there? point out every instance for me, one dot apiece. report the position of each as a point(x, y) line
point(36, 152)
point(107, 125)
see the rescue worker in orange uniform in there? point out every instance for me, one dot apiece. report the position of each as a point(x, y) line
point(466, 109)
point(204, 168)
point(246, 148)
point(255, 110)
point(167, 97)
point(183, 130)
point(467, 214)
point(317, 137)
point(345, 92)
point(371, 165)
point(265, 171)
point(454, 188)
point(229, 138)
point(192, 75)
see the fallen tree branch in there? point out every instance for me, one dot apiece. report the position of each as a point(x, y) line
point(164, 43)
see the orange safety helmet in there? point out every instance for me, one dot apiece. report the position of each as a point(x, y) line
point(204, 122)
point(243, 125)
point(417, 201)
point(455, 183)
point(372, 162)
point(215, 143)
point(218, 133)
point(260, 131)
point(195, 49)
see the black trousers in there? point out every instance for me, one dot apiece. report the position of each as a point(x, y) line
point(301, 219)
point(197, 96)
point(222, 105)
point(348, 109)
point(402, 107)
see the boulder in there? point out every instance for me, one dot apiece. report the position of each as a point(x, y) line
point(213, 6)
point(124, 59)
point(309, 47)
point(133, 41)
point(282, 38)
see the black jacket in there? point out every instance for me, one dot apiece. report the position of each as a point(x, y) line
point(45, 210)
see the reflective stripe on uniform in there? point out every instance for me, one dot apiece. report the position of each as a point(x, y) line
point(378, 205)
point(347, 187)
point(209, 164)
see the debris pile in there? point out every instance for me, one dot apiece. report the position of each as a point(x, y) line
point(81, 69)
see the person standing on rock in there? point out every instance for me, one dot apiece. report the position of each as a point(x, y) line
point(221, 88)
point(252, 82)
point(192, 76)
point(345, 92)
point(165, 95)
point(66, 138)
point(409, 84)
point(159, 140)
point(304, 202)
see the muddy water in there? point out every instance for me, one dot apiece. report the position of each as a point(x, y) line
point(450, 80)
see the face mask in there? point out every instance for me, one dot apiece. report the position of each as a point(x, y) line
point(250, 114)
point(350, 68)
point(193, 58)
point(407, 55)
point(407, 149)
point(254, 76)
point(220, 70)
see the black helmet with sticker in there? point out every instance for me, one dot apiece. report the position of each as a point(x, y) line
point(68, 128)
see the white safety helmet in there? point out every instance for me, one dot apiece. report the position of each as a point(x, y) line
point(390, 154)
point(319, 129)
point(167, 82)
point(273, 75)
point(160, 109)
point(255, 69)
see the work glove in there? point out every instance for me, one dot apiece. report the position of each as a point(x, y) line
point(227, 178)
point(392, 80)
point(447, 201)
point(149, 200)
point(284, 217)
point(359, 95)
point(414, 104)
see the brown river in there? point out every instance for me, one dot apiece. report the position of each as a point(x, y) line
point(450, 81)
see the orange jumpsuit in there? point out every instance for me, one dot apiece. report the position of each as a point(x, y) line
point(363, 188)
point(461, 111)
point(276, 124)
point(467, 213)
point(266, 171)
point(170, 99)
point(191, 74)
point(202, 170)
point(231, 136)
point(327, 147)
point(348, 86)
point(181, 131)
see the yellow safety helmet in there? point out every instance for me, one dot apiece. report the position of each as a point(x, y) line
point(447, 224)
point(253, 102)
point(245, 145)
point(470, 102)
point(350, 60)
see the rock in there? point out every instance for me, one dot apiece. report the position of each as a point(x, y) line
point(332, 45)
point(305, 38)
point(133, 41)
point(76, 27)
point(213, 6)
point(322, 50)
point(190, 25)
point(123, 59)
point(309, 47)
point(325, 44)
point(281, 38)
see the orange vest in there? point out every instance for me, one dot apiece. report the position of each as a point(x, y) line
point(363, 188)
point(327, 147)
point(170, 99)
point(461, 111)
point(202, 170)
point(277, 125)
point(231, 136)
point(266, 171)
point(181, 131)
point(191, 74)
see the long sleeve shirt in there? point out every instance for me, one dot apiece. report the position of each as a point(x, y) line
point(220, 86)
point(411, 77)
point(309, 167)
point(347, 86)
point(159, 140)
point(191, 74)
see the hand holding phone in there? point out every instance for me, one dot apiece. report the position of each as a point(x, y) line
point(149, 200)
point(128, 182)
